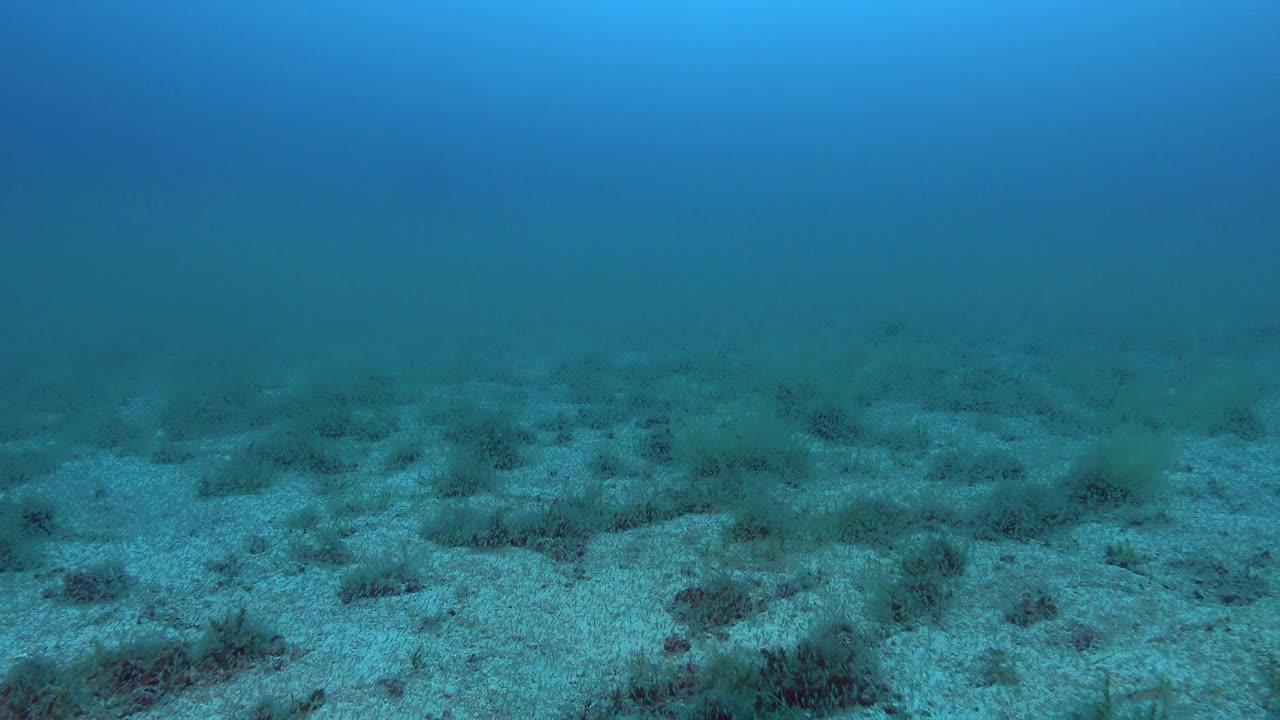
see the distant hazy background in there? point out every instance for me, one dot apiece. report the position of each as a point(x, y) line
point(328, 175)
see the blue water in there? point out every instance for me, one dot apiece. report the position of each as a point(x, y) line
point(617, 212)
point(219, 147)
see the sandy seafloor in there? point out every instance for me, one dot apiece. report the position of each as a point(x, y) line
point(516, 633)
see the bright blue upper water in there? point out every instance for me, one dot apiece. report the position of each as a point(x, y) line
point(208, 146)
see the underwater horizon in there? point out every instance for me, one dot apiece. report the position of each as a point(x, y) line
point(619, 359)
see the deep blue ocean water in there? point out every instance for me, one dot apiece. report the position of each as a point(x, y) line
point(180, 157)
